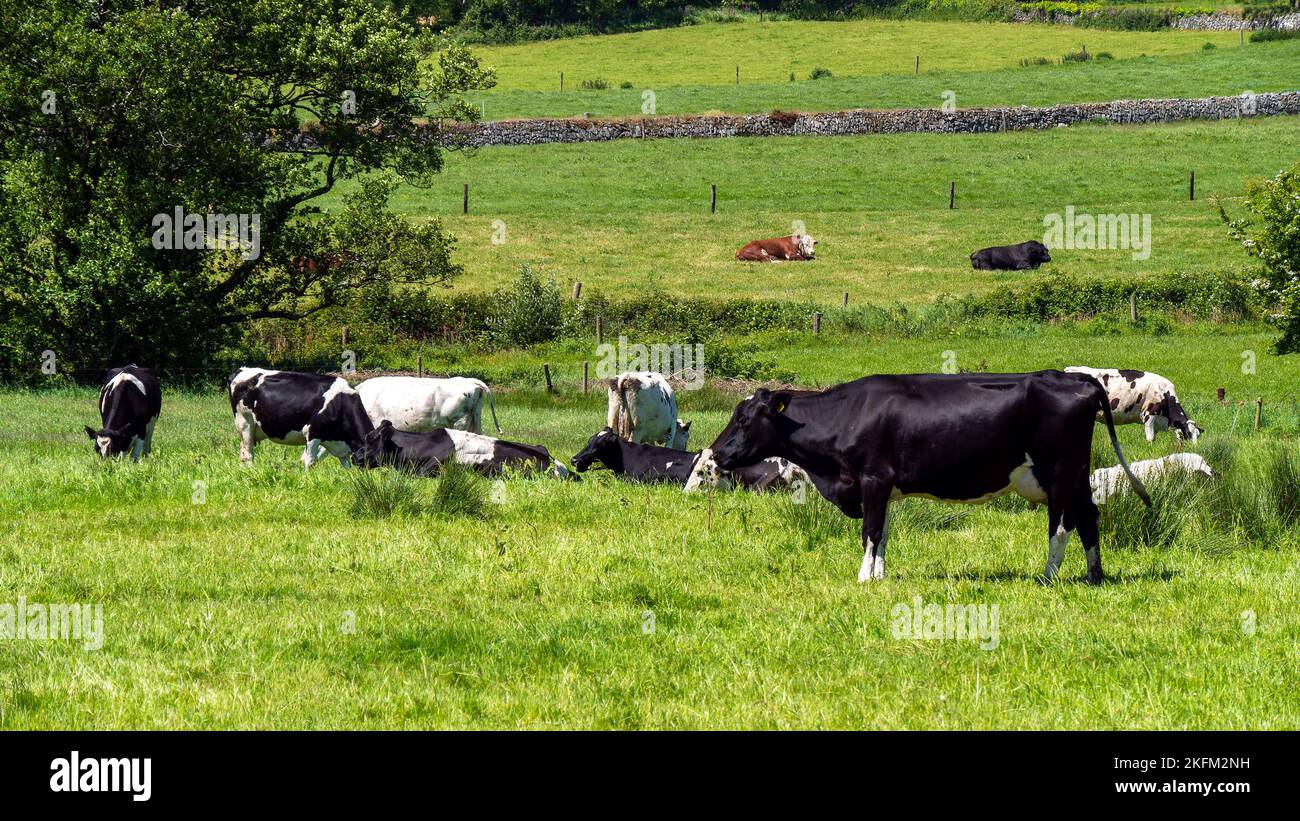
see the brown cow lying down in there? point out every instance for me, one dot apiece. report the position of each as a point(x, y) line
point(795, 246)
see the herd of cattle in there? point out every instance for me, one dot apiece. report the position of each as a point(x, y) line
point(952, 437)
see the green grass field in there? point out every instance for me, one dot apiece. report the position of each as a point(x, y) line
point(1226, 70)
point(269, 605)
point(630, 215)
point(768, 53)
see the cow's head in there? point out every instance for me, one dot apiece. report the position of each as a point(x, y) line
point(706, 473)
point(378, 448)
point(755, 431)
point(683, 436)
point(805, 244)
point(110, 443)
point(1182, 427)
point(603, 447)
point(1038, 252)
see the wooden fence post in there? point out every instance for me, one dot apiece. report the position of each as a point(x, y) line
point(561, 81)
point(584, 377)
point(846, 299)
point(419, 365)
point(464, 204)
point(546, 372)
point(737, 75)
point(599, 330)
point(1259, 412)
point(577, 290)
point(1191, 186)
point(713, 198)
point(918, 64)
point(345, 336)
point(817, 322)
point(1133, 306)
point(1221, 394)
point(952, 194)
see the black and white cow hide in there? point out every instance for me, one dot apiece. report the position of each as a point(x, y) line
point(129, 404)
point(322, 413)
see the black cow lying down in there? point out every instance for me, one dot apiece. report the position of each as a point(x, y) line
point(424, 453)
point(650, 463)
point(958, 437)
point(1010, 257)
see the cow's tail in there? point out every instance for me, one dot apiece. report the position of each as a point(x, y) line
point(1104, 401)
point(492, 406)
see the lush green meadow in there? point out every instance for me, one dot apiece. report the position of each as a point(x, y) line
point(1225, 70)
point(629, 216)
point(256, 599)
point(770, 52)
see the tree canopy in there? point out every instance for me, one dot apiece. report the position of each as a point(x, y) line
point(121, 112)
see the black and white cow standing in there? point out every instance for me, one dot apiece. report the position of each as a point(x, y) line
point(320, 412)
point(424, 453)
point(129, 404)
point(955, 437)
point(643, 409)
point(1142, 397)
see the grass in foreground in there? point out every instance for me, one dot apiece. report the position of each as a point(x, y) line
point(247, 598)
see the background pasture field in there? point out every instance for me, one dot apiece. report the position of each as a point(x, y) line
point(629, 216)
point(770, 52)
point(1147, 69)
point(271, 605)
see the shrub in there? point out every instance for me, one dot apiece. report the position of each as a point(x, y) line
point(594, 85)
point(381, 492)
point(1208, 47)
point(459, 492)
point(625, 84)
point(819, 73)
point(1103, 55)
point(1268, 35)
point(1080, 56)
point(527, 313)
point(1035, 61)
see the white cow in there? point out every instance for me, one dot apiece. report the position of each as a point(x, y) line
point(643, 409)
point(1106, 482)
point(1142, 397)
point(419, 404)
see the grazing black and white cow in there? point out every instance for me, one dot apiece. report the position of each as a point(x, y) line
point(424, 453)
point(1010, 257)
point(643, 408)
point(422, 403)
point(634, 461)
point(1142, 397)
point(320, 412)
point(955, 437)
point(129, 404)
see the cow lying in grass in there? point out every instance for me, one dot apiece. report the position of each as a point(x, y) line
point(650, 463)
point(1011, 257)
point(1106, 482)
point(424, 453)
point(793, 247)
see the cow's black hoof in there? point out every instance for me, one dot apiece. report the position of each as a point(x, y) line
point(1096, 578)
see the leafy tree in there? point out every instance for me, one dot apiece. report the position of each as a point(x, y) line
point(119, 111)
point(1271, 233)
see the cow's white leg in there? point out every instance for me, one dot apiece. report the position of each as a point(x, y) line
point(148, 437)
point(247, 440)
point(340, 451)
point(1149, 428)
point(312, 453)
point(1056, 551)
point(875, 523)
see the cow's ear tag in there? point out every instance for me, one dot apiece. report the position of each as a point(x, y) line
point(780, 408)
